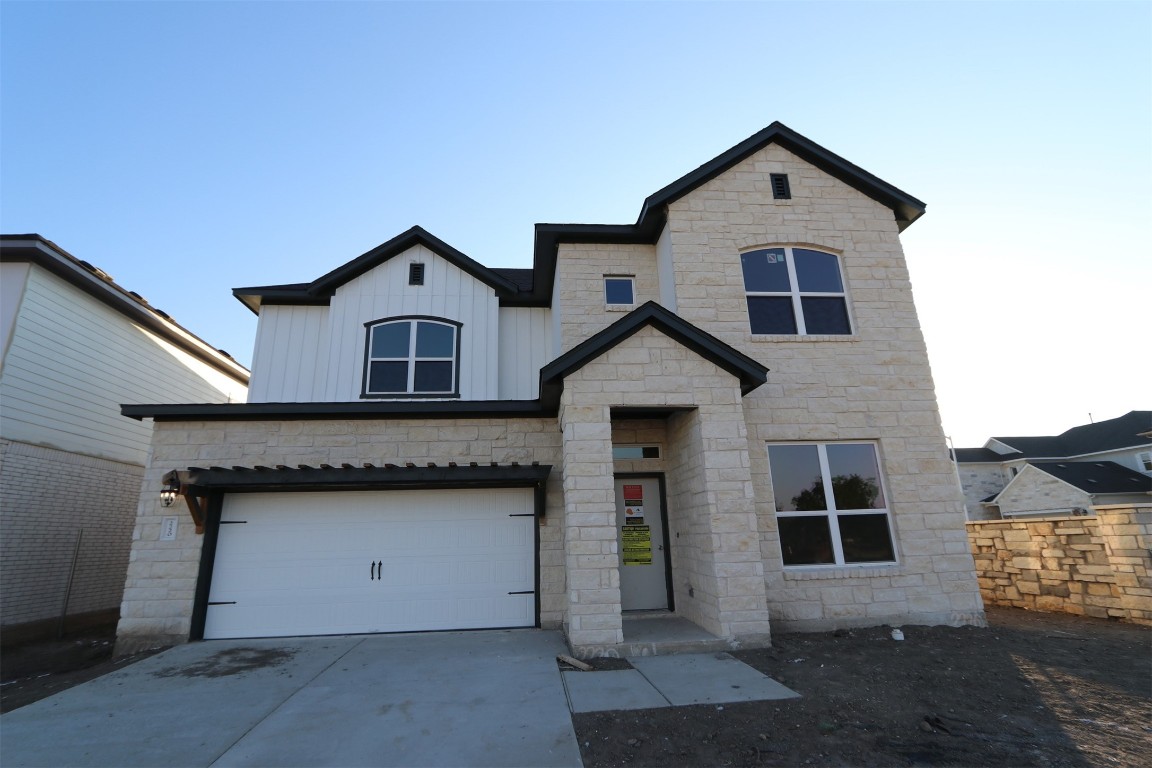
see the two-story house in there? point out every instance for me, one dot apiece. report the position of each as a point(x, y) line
point(1105, 462)
point(75, 346)
point(722, 413)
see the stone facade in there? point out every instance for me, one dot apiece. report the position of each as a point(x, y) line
point(1099, 565)
point(1036, 492)
point(980, 481)
point(871, 386)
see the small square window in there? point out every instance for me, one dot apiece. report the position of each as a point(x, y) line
point(619, 290)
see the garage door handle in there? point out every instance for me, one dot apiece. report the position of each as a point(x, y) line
point(374, 569)
point(525, 592)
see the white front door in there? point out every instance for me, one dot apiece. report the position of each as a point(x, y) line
point(380, 561)
point(640, 527)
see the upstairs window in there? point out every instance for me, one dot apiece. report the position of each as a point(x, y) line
point(412, 356)
point(795, 291)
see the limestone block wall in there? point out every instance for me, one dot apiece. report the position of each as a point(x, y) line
point(1099, 565)
point(161, 580)
point(873, 385)
point(47, 498)
point(718, 577)
point(580, 269)
point(980, 481)
point(1036, 492)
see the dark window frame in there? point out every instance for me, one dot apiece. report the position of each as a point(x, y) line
point(795, 295)
point(412, 359)
point(834, 515)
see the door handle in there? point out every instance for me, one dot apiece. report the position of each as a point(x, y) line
point(371, 570)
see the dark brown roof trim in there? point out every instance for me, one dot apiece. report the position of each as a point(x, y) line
point(536, 291)
point(199, 481)
point(34, 249)
point(319, 291)
point(750, 373)
point(440, 409)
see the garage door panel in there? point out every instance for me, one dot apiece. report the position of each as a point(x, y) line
point(301, 563)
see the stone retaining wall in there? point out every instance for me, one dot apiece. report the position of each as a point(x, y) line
point(1099, 565)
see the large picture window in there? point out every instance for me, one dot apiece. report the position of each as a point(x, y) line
point(412, 356)
point(795, 291)
point(830, 504)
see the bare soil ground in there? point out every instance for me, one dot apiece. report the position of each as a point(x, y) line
point(35, 671)
point(1032, 689)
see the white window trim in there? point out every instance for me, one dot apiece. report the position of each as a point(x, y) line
point(796, 294)
point(833, 515)
point(1144, 461)
point(412, 359)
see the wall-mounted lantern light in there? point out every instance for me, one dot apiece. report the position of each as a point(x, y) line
point(170, 490)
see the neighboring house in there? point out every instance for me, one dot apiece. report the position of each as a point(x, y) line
point(431, 443)
point(75, 347)
point(1107, 462)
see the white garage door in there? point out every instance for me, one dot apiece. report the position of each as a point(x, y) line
point(392, 561)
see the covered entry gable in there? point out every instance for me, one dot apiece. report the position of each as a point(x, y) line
point(651, 315)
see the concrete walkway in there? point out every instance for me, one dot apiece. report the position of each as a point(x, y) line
point(440, 699)
point(666, 681)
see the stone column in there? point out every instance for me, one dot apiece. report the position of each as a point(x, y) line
point(591, 559)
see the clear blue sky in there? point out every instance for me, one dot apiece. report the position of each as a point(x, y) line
point(188, 148)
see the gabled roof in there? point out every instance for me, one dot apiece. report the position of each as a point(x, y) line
point(750, 373)
point(320, 290)
point(654, 212)
point(1097, 477)
point(533, 288)
point(95, 282)
point(1110, 435)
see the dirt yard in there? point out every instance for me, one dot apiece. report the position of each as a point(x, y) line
point(1032, 689)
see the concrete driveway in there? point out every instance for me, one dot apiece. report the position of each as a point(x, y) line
point(491, 698)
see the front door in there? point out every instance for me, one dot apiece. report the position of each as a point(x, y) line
point(640, 527)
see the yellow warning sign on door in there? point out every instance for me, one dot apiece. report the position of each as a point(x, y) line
point(636, 544)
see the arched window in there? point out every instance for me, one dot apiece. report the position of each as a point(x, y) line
point(412, 356)
point(795, 291)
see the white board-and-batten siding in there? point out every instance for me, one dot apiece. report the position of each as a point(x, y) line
point(287, 368)
point(72, 361)
point(525, 348)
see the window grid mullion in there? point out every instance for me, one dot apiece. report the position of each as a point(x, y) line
point(412, 357)
point(797, 307)
point(830, 503)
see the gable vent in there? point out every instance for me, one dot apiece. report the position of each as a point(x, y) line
point(416, 274)
point(780, 188)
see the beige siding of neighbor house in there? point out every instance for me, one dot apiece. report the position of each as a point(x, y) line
point(71, 462)
point(73, 361)
point(13, 277)
point(873, 385)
